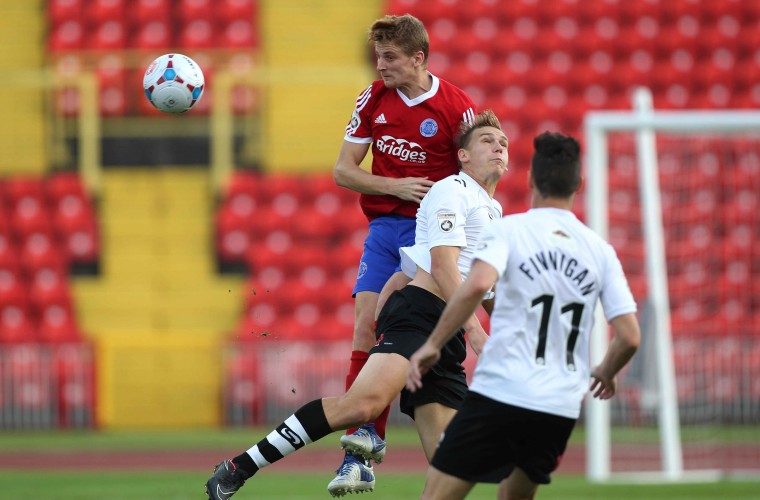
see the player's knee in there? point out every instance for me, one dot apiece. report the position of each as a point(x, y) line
point(361, 411)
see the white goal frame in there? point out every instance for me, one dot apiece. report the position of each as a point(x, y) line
point(644, 122)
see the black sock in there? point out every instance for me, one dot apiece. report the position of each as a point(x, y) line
point(306, 425)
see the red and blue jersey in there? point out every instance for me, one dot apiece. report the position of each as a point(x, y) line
point(410, 137)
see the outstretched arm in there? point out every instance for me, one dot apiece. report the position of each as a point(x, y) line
point(621, 350)
point(459, 308)
point(348, 173)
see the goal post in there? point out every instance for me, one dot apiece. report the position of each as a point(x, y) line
point(642, 126)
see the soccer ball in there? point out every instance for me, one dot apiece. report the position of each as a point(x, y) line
point(173, 83)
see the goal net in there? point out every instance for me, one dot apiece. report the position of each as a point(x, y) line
point(677, 194)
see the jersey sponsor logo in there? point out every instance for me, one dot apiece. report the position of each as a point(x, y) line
point(446, 221)
point(401, 148)
point(290, 436)
point(428, 127)
point(381, 119)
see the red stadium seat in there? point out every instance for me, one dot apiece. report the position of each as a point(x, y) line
point(75, 374)
point(67, 36)
point(9, 254)
point(16, 325)
point(49, 286)
point(13, 289)
point(243, 392)
point(197, 34)
point(231, 10)
point(64, 183)
point(41, 249)
point(60, 11)
point(192, 10)
point(110, 35)
point(233, 238)
point(57, 324)
point(144, 12)
point(100, 12)
point(239, 33)
point(154, 34)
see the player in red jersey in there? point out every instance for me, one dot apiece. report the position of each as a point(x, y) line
point(410, 118)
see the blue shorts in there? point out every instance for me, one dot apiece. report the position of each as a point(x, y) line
point(381, 251)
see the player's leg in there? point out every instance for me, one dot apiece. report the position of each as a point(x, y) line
point(376, 386)
point(379, 261)
point(379, 382)
point(442, 486)
point(431, 420)
point(517, 486)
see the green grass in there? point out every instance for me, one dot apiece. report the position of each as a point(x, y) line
point(173, 485)
point(234, 438)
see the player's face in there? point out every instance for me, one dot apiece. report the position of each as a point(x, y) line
point(489, 150)
point(395, 68)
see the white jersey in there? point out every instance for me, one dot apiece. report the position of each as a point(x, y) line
point(552, 269)
point(453, 213)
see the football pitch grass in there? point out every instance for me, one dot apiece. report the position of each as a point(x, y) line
point(163, 480)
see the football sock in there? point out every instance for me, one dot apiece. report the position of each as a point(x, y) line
point(306, 425)
point(358, 360)
point(381, 421)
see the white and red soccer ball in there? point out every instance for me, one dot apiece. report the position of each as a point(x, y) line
point(173, 83)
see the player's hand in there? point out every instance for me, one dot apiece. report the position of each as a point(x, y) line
point(411, 188)
point(419, 364)
point(602, 386)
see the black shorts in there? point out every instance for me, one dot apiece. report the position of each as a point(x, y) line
point(487, 439)
point(404, 324)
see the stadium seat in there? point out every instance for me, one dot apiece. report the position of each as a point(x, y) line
point(16, 324)
point(9, 252)
point(152, 35)
point(40, 249)
point(231, 10)
point(233, 238)
point(145, 12)
point(239, 33)
point(75, 375)
point(57, 323)
point(100, 12)
point(197, 34)
point(67, 36)
point(13, 289)
point(61, 11)
point(193, 10)
point(109, 36)
point(244, 399)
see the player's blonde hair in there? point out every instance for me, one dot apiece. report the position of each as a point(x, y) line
point(485, 118)
point(405, 32)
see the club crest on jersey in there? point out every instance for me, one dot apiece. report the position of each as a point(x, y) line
point(446, 221)
point(362, 270)
point(428, 127)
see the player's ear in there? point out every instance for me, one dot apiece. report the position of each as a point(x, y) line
point(581, 185)
point(463, 155)
point(531, 183)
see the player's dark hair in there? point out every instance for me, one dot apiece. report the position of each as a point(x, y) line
point(405, 32)
point(485, 118)
point(556, 164)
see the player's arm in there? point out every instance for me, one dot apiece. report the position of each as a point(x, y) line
point(459, 309)
point(349, 174)
point(445, 272)
point(622, 348)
